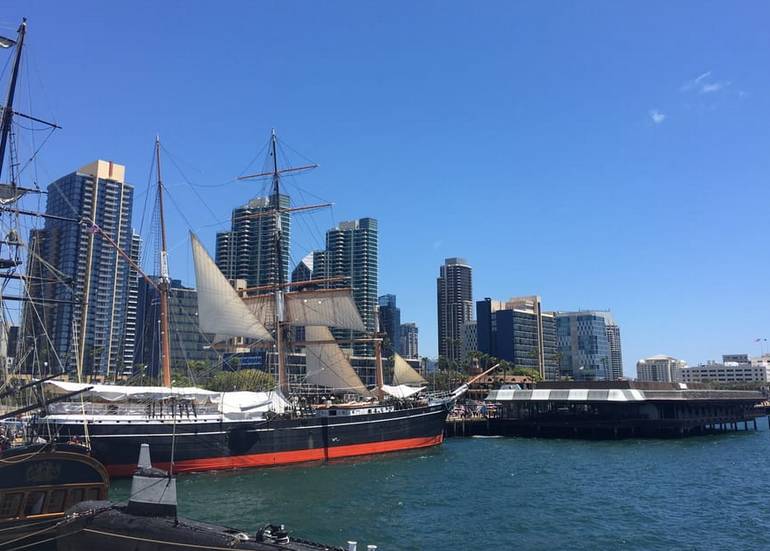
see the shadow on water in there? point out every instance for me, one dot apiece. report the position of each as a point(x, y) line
point(525, 493)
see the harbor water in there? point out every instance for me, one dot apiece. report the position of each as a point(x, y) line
point(706, 492)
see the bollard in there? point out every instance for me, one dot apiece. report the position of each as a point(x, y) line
point(352, 545)
point(371, 548)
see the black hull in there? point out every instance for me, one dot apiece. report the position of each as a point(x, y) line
point(202, 445)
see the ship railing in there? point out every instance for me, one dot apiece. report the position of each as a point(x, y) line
point(130, 409)
point(438, 395)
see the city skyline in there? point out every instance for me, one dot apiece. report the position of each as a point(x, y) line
point(661, 166)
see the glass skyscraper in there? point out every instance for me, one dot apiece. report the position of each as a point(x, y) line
point(519, 332)
point(66, 251)
point(390, 323)
point(352, 252)
point(455, 306)
point(248, 250)
point(589, 345)
point(187, 344)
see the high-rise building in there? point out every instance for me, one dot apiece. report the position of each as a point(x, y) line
point(589, 345)
point(390, 323)
point(69, 250)
point(248, 250)
point(352, 255)
point(470, 339)
point(616, 353)
point(455, 306)
point(519, 332)
point(187, 343)
point(662, 369)
point(409, 346)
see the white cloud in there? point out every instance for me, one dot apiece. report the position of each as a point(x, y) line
point(656, 116)
point(694, 83)
point(709, 87)
point(704, 84)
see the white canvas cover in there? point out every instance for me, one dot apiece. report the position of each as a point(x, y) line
point(116, 393)
point(404, 374)
point(220, 310)
point(401, 391)
point(327, 366)
point(244, 401)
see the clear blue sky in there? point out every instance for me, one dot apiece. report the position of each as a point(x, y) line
point(600, 154)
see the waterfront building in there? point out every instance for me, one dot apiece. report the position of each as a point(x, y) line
point(619, 409)
point(187, 343)
point(248, 250)
point(351, 255)
point(454, 288)
point(390, 324)
point(660, 368)
point(84, 264)
point(726, 372)
point(584, 342)
point(470, 339)
point(519, 332)
point(409, 346)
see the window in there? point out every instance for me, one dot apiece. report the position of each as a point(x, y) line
point(9, 505)
point(34, 503)
point(75, 496)
point(56, 501)
point(93, 494)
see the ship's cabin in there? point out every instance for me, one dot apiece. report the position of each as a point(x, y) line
point(40, 482)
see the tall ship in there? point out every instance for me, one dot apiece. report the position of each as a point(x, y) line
point(192, 429)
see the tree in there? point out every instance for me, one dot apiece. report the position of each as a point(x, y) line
point(533, 374)
point(252, 380)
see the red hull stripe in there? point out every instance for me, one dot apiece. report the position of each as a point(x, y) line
point(285, 458)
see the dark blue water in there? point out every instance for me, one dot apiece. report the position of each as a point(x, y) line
point(710, 492)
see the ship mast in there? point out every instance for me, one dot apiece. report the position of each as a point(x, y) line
point(379, 379)
point(165, 281)
point(8, 107)
point(5, 129)
point(283, 383)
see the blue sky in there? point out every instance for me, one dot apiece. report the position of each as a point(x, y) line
point(600, 154)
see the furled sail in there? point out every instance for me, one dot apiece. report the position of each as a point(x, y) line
point(327, 307)
point(326, 365)
point(9, 194)
point(220, 310)
point(404, 374)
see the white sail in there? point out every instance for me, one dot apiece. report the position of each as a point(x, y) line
point(326, 365)
point(220, 310)
point(404, 374)
point(402, 391)
point(327, 307)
